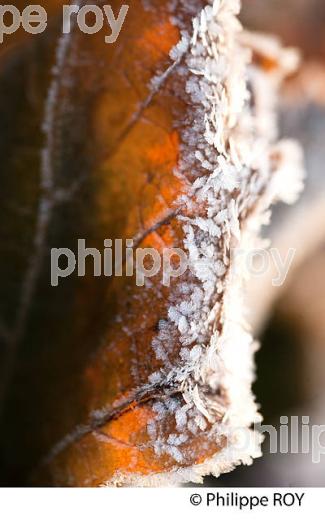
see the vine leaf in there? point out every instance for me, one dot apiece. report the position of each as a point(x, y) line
point(165, 138)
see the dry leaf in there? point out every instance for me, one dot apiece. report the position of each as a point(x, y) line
point(168, 137)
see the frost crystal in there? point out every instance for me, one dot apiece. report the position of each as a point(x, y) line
point(229, 146)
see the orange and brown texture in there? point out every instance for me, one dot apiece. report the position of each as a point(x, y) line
point(167, 137)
